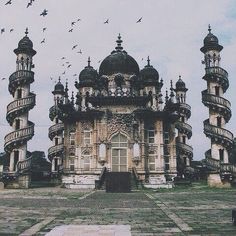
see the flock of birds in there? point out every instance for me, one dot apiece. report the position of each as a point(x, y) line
point(44, 13)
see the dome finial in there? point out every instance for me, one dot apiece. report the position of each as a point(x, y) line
point(89, 61)
point(26, 31)
point(179, 76)
point(148, 61)
point(59, 79)
point(119, 41)
point(209, 28)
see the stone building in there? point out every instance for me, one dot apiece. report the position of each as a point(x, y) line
point(117, 122)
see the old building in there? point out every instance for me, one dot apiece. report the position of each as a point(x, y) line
point(117, 122)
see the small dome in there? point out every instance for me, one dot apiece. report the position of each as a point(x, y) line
point(119, 62)
point(180, 85)
point(211, 42)
point(149, 73)
point(59, 88)
point(25, 45)
point(88, 75)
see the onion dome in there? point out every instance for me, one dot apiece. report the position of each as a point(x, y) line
point(180, 85)
point(211, 42)
point(119, 62)
point(25, 45)
point(149, 74)
point(59, 88)
point(88, 76)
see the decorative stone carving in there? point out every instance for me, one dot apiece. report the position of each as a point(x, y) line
point(86, 125)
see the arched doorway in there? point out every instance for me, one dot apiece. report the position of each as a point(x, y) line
point(119, 153)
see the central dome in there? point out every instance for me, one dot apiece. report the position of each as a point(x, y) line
point(119, 62)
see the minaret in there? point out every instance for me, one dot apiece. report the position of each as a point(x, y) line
point(184, 150)
point(23, 100)
point(219, 108)
point(56, 130)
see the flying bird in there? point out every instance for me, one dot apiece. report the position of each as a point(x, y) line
point(139, 20)
point(44, 29)
point(106, 22)
point(44, 13)
point(74, 46)
point(29, 4)
point(64, 72)
point(43, 41)
point(8, 3)
point(2, 30)
point(69, 66)
point(79, 19)
point(73, 23)
point(67, 62)
point(70, 31)
point(51, 78)
point(3, 78)
point(79, 51)
point(63, 58)
point(11, 30)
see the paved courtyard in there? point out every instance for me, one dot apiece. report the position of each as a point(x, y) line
point(196, 210)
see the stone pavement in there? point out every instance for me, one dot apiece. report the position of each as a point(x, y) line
point(196, 210)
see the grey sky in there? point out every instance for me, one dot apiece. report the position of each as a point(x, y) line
point(171, 33)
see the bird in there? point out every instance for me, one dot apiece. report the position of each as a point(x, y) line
point(44, 13)
point(69, 66)
point(99, 61)
point(29, 4)
point(44, 29)
point(64, 72)
point(74, 46)
point(3, 78)
point(139, 20)
point(70, 30)
point(63, 58)
point(74, 74)
point(79, 51)
point(2, 30)
point(11, 30)
point(43, 41)
point(73, 23)
point(78, 19)
point(8, 3)
point(51, 78)
point(67, 62)
point(106, 22)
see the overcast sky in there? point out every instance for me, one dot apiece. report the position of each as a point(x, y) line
point(171, 33)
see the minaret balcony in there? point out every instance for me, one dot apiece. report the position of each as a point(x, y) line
point(217, 103)
point(217, 74)
point(184, 128)
point(185, 149)
point(18, 136)
point(20, 77)
point(212, 164)
point(56, 150)
point(53, 112)
point(218, 134)
point(184, 109)
point(20, 106)
point(25, 165)
point(55, 130)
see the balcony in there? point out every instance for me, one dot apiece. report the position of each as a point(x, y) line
point(220, 73)
point(184, 128)
point(56, 150)
point(185, 108)
point(53, 112)
point(55, 129)
point(218, 103)
point(19, 77)
point(24, 166)
point(185, 148)
point(212, 163)
point(18, 105)
point(21, 135)
point(218, 133)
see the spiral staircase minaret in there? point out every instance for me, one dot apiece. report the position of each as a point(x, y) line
point(18, 110)
point(55, 152)
point(184, 150)
point(219, 109)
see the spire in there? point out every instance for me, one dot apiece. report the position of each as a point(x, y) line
point(89, 61)
point(72, 98)
point(66, 92)
point(119, 41)
point(166, 97)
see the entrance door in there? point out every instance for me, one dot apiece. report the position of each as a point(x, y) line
point(119, 157)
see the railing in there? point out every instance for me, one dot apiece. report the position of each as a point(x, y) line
point(213, 163)
point(54, 110)
point(19, 134)
point(224, 133)
point(81, 170)
point(217, 70)
point(23, 102)
point(215, 99)
point(184, 106)
point(24, 165)
point(56, 128)
point(21, 73)
point(55, 149)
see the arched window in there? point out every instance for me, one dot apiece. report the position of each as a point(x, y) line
point(102, 151)
point(72, 138)
point(87, 136)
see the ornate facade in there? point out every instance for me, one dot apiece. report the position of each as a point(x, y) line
point(118, 123)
